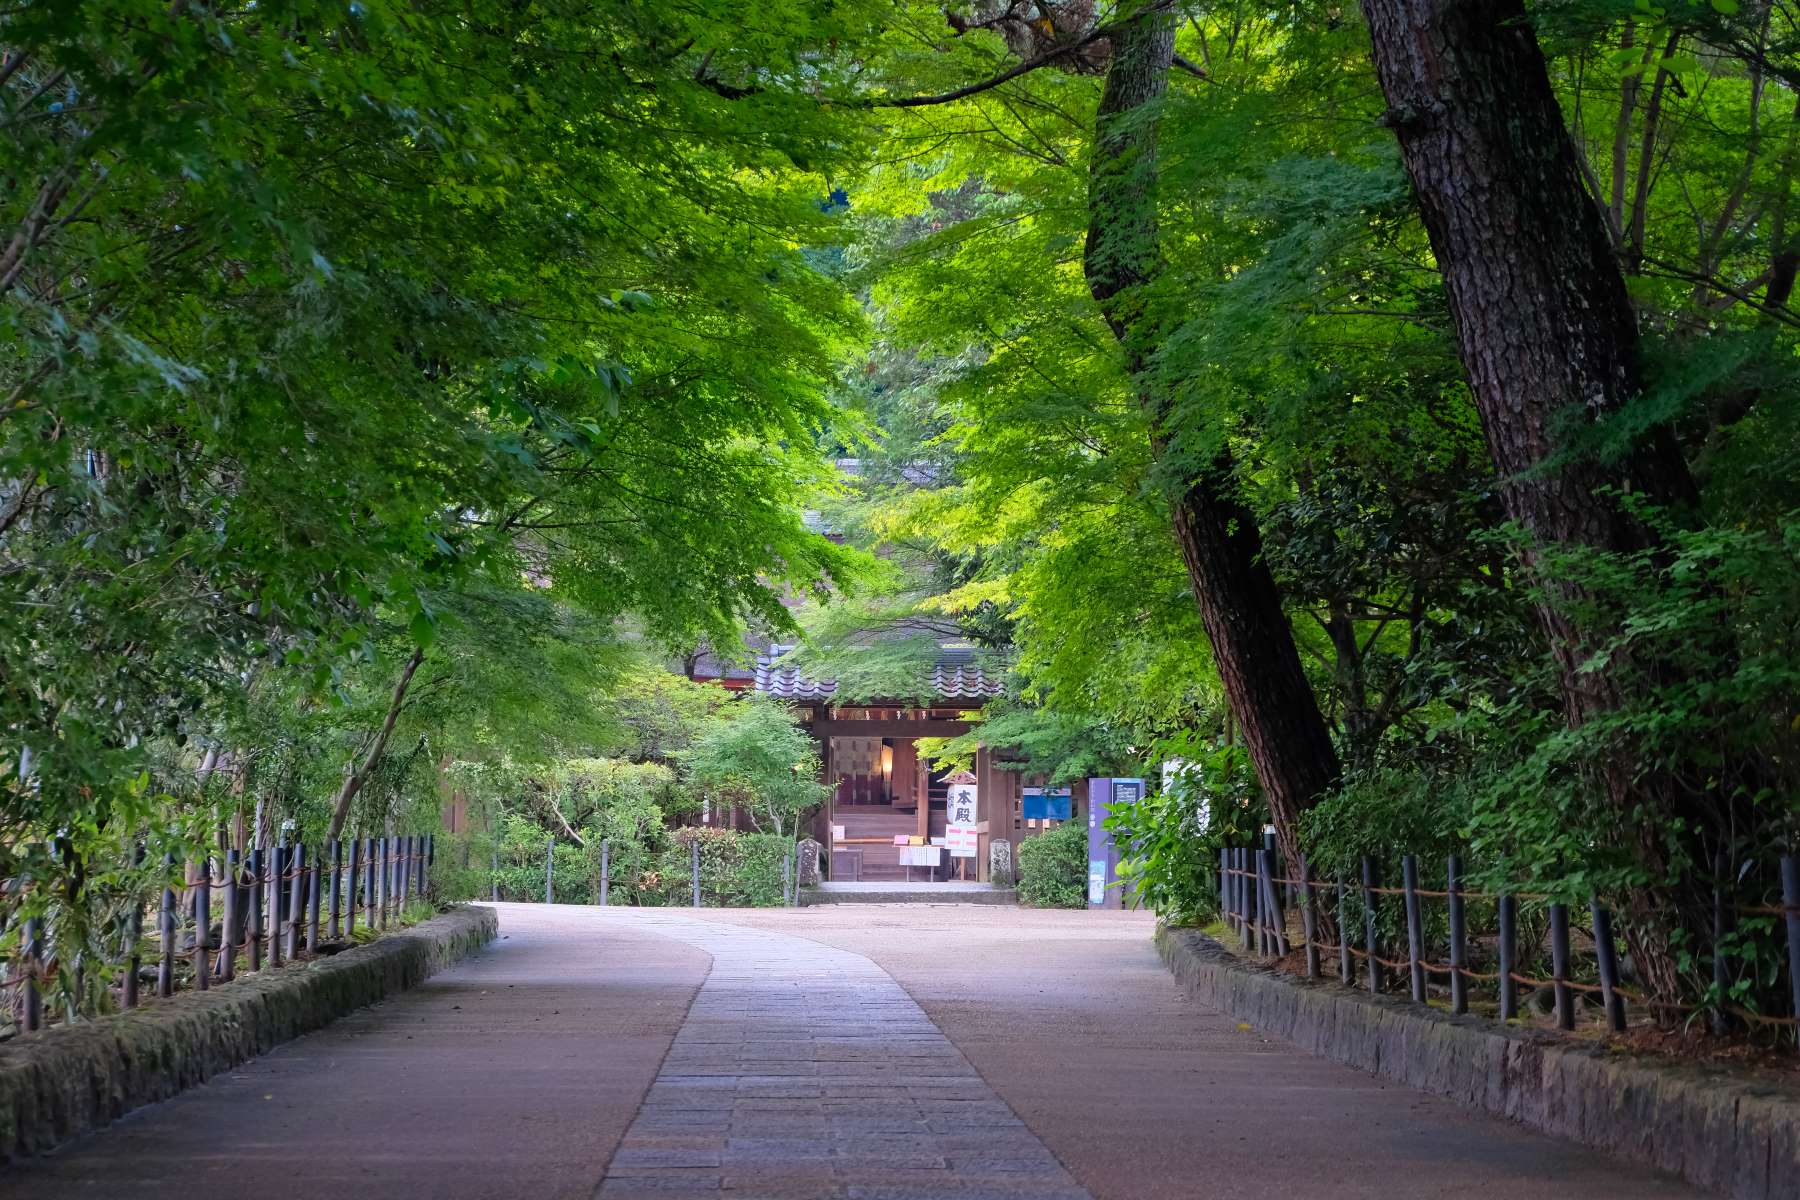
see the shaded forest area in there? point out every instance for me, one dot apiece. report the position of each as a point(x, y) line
point(1385, 411)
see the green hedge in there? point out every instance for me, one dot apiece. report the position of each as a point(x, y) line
point(1053, 867)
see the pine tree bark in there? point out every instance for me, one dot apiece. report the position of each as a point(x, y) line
point(1549, 339)
point(1277, 714)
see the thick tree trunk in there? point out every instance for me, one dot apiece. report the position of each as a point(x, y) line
point(1549, 339)
point(1253, 644)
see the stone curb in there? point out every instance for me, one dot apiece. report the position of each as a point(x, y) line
point(812, 897)
point(1736, 1138)
point(70, 1080)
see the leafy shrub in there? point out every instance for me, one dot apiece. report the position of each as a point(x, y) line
point(1169, 841)
point(1053, 868)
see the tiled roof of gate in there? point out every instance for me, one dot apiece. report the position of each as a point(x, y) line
point(955, 676)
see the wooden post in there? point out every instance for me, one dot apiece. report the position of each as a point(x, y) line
point(334, 886)
point(1559, 966)
point(254, 928)
point(694, 868)
point(1371, 878)
point(786, 872)
point(1415, 931)
point(1309, 919)
point(34, 962)
point(1459, 939)
point(229, 929)
point(202, 907)
point(165, 929)
point(549, 869)
point(494, 876)
point(1346, 968)
point(313, 878)
point(1790, 901)
point(605, 871)
point(1609, 966)
point(429, 891)
point(296, 898)
point(1720, 1020)
point(1509, 934)
point(135, 960)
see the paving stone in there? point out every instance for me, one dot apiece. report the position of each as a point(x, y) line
point(828, 1083)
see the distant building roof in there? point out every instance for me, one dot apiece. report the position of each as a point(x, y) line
point(954, 676)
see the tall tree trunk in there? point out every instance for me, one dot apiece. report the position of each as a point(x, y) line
point(340, 808)
point(1253, 644)
point(1546, 332)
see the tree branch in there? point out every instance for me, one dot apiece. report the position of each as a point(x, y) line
point(987, 85)
point(340, 808)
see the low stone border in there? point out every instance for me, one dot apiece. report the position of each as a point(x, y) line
point(919, 894)
point(1736, 1138)
point(69, 1080)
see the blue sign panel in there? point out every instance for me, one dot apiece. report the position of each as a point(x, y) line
point(1046, 804)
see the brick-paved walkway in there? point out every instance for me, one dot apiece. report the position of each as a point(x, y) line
point(805, 1071)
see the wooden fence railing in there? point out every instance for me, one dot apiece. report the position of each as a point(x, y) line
point(1256, 898)
point(272, 905)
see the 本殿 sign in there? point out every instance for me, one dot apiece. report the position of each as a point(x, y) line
point(961, 834)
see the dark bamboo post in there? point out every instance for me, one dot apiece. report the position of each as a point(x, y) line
point(1559, 966)
point(352, 888)
point(1415, 931)
point(605, 870)
point(334, 887)
point(202, 877)
point(430, 861)
point(1509, 935)
point(1609, 966)
point(378, 878)
point(371, 882)
point(549, 870)
point(1371, 878)
point(1274, 916)
point(34, 962)
point(1720, 1020)
point(135, 961)
point(494, 876)
point(278, 861)
point(1252, 909)
point(694, 868)
point(165, 929)
point(1459, 938)
point(314, 876)
point(409, 868)
point(1259, 887)
point(253, 928)
point(1790, 903)
point(296, 898)
point(1225, 885)
point(1309, 919)
point(1240, 894)
point(229, 930)
point(1346, 968)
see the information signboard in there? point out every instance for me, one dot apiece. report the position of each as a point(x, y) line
point(962, 840)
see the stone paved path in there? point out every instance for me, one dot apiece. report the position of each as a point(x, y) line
point(804, 1070)
point(906, 1052)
